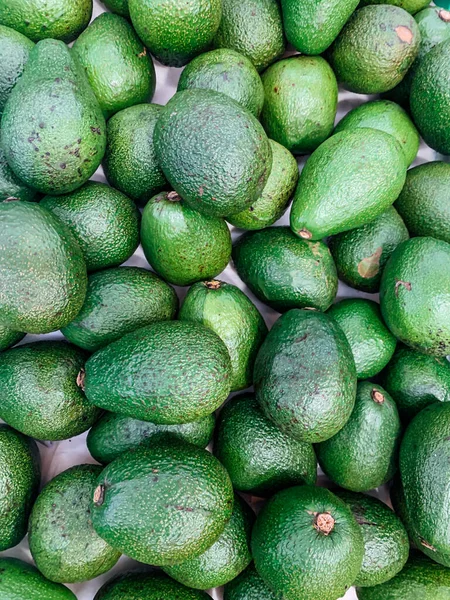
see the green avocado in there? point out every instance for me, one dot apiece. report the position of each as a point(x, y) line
point(119, 7)
point(9, 337)
point(351, 179)
point(397, 497)
point(249, 586)
point(300, 105)
point(178, 492)
point(259, 458)
point(167, 373)
point(284, 271)
point(20, 580)
point(14, 51)
point(305, 376)
point(11, 187)
point(412, 6)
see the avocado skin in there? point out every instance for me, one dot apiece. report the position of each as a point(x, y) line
point(119, 7)
point(363, 454)
point(175, 32)
point(142, 488)
point(14, 51)
point(386, 544)
point(62, 541)
point(43, 275)
point(254, 28)
point(130, 163)
point(214, 153)
point(361, 254)
point(53, 95)
point(284, 271)
point(417, 273)
point(375, 49)
point(411, 6)
point(352, 177)
point(9, 337)
point(259, 458)
point(226, 310)
point(371, 341)
point(225, 559)
point(249, 586)
point(21, 580)
point(181, 244)
point(150, 374)
point(420, 578)
point(305, 376)
point(10, 185)
point(110, 51)
point(312, 566)
point(113, 434)
point(20, 476)
point(300, 105)
point(119, 301)
point(40, 394)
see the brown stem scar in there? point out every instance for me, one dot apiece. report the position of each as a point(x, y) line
point(173, 197)
point(143, 53)
point(81, 378)
point(305, 234)
point(405, 284)
point(213, 285)
point(377, 396)
point(99, 495)
point(324, 523)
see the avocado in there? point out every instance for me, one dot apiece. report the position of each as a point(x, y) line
point(173, 32)
point(9, 337)
point(385, 116)
point(20, 580)
point(226, 310)
point(117, 64)
point(253, 28)
point(361, 254)
point(119, 7)
point(226, 71)
point(305, 376)
point(225, 559)
point(11, 187)
point(284, 271)
point(386, 544)
point(41, 396)
point(15, 49)
point(307, 544)
point(311, 27)
point(249, 586)
point(371, 341)
point(418, 273)
point(20, 476)
point(181, 244)
point(363, 454)
point(423, 202)
point(411, 6)
point(43, 276)
point(275, 197)
point(259, 458)
point(214, 153)
point(62, 540)
point(113, 434)
point(53, 95)
point(167, 373)
point(119, 301)
point(352, 177)
point(397, 498)
point(130, 163)
point(300, 105)
point(58, 19)
point(178, 492)
point(375, 49)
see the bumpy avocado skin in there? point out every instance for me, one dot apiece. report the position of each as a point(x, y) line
point(14, 51)
point(411, 6)
point(9, 337)
point(119, 7)
point(20, 580)
point(249, 586)
point(10, 185)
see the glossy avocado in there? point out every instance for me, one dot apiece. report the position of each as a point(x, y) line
point(15, 49)
point(21, 580)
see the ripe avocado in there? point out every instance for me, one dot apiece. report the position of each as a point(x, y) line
point(21, 580)
point(249, 586)
point(9, 337)
point(14, 51)
point(11, 187)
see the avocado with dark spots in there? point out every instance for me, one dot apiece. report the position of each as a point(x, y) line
point(9, 337)
point(11, 187)
point(20, 580)
point(249, 586)
point(14, 51)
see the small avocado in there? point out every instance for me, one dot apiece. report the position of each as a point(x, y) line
point(11, 187)
point(300, 105)
point(119, 7)
point(249, 586)
point(9, 337)
point(15, 49)
point(21, 580)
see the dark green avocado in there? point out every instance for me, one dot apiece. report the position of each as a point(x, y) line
point(249, 586)
point(9, 337)
point(20, 580)
point(11, 187)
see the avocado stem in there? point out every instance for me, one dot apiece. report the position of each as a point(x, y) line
point(377, 396)
point(213, 285)
point(324, 523)
point(173, 197)
point(80, 379)
point(305, 234)
point(99, 495)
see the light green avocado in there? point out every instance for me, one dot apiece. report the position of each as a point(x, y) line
point(20, 580)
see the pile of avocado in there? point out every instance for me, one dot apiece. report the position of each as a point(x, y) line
point(347, 258)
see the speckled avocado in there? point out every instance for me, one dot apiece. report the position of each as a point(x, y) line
point(20, 580)
point(10, 185)
point(14, 51)
point(249, 586)
point(9, 337)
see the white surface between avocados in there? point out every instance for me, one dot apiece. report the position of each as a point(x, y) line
point(59, 456)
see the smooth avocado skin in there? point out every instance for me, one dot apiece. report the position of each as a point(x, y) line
point(150, 374)
point(43, 276)
point(259, 458)
point(351, 179)
point(41, 396)
point(21, 580)
point(178, 491)
point(62, 540)
point(371, 341)
point(300, 104)
point(226, 310)
point(117, 302)
point(284, 271)
point(119, 7)
point(182, 245)
point(325, 549)
point(14, 51)
point(213, 152)
point(175, 32)
point(305, 376)
point(9, 337)
point(114, 434)
point(20, 476)
point(46, 100)
point(361, 254)
point(417, 273)
point(11, 186)
point(249, 586)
